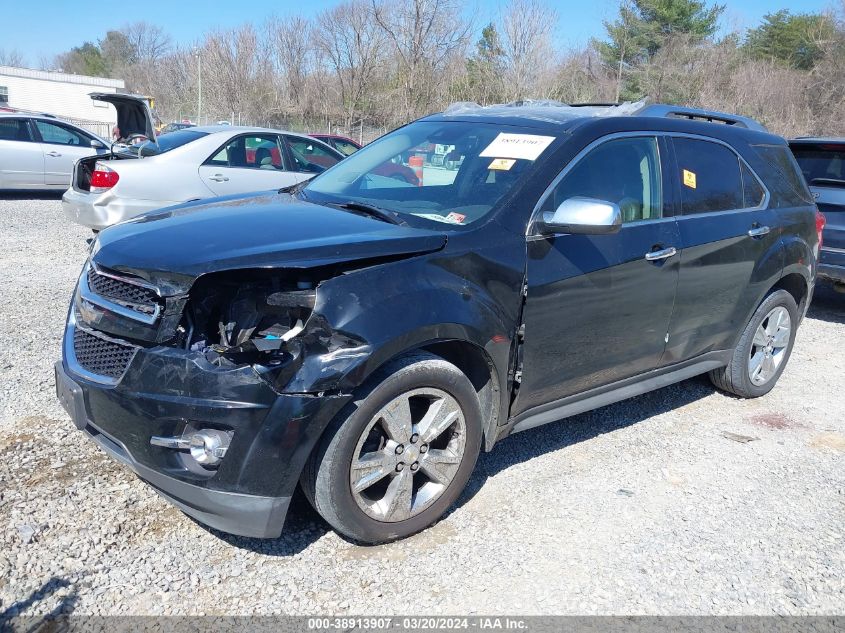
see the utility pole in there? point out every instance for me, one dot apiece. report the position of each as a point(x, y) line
point(199, 88)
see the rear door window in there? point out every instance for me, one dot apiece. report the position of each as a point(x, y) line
point(310, 156)
point(710, 177)
point(14, 130)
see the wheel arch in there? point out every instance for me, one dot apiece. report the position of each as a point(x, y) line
point(475, 362)
point(795, 284)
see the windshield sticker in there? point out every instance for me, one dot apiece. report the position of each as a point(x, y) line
point(527, 146)
point(689, 179)
point(502, 164)
point(446, 219)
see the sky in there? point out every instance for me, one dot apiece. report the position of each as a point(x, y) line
point(58, 25)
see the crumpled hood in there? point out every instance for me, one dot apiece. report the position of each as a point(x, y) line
point(174, 246)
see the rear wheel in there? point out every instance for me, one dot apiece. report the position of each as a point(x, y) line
point(398, 457)
point(763, 349)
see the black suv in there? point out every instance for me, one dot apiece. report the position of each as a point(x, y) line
point(366, 338)
point(822, 161)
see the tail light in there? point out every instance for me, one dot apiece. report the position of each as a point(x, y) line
point(103, 178)
point(820, 222)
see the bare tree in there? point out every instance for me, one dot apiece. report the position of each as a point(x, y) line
point(352, 43)
point(149, 42)
point(424, 35)
point(237, 73)
point(292, 38)
point(528, 26)
point(11, 57)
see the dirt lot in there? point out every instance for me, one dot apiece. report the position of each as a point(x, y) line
point(641, 507)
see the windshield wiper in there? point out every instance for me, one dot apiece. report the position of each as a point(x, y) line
point(370, 211)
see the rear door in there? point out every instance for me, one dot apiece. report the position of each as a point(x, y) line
point(823, 167)
point(730, 251)
point(62, 146)
point(21, 157)
point(247, 162)
point(309, 157)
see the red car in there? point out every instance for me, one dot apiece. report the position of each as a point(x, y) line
point(389, 169)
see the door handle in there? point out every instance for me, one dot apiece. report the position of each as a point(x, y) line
point(218, 178)
point(758, 231)
point(663, 253)
point(54, 154)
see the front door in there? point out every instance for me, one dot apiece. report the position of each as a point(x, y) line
point(21, 158)
point(62, 147)
point(597, 309)
point(249, 162)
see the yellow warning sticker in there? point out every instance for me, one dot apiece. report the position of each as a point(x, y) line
point(502, 164)
point(689, 179)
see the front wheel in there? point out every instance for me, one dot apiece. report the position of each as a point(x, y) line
point(763, 349)
point(398, 457)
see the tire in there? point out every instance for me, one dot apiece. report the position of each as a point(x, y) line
point(763, 350)
point(374, 500)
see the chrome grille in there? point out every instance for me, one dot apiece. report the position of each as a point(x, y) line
point(135, 297)
point(100, 356)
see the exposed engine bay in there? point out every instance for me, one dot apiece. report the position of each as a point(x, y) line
point(235, 322)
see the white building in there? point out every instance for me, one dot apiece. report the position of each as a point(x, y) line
point(61, 94)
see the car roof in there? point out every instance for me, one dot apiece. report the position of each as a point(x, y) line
point(557, 118)
point(815, 140)
point(32, 115)
point(241, 129)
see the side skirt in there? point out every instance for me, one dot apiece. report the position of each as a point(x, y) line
point(614, 392)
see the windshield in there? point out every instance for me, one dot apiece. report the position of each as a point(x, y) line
point(169, 141)
point(821, 163)
point(446, 171)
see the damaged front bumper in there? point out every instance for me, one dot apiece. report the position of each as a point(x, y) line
point(166, 392)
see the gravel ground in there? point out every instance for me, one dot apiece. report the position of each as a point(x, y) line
point(643, 507)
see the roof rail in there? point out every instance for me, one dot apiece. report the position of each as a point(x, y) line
point(681, 112)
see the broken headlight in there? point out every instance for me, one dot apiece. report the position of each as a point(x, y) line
point(234, 322)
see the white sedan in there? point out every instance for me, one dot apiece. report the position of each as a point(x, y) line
point(37, 151)
point(190, 164)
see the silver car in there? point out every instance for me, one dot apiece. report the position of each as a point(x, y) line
point(38, 151)
point(187, 165)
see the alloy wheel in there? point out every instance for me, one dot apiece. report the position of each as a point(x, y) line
point(769, 345)
point(408, 454)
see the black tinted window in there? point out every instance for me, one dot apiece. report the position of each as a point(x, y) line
point(821, 165)
point(624, 171)
point(752, 191)
point(787, 184)
point(167, 142)
point(14, 130)
point(709, 175)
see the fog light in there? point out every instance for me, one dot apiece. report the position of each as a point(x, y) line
point(207, 446)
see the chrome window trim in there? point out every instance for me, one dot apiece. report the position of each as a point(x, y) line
point(90, 296)
point(530, 232)
point(70, 353)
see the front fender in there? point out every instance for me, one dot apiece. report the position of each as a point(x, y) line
point(364, 318)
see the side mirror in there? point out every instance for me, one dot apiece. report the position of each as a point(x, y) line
point(583, 215)
point(96, 144)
